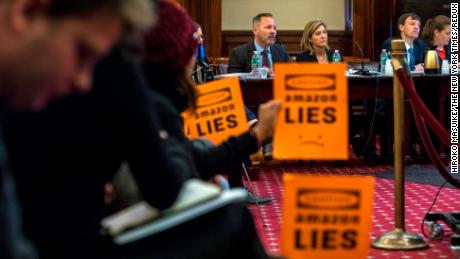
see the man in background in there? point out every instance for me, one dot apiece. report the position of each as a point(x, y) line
point(264, 30)
point(409, 30)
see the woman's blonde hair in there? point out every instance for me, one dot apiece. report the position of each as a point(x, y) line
point(310, 28)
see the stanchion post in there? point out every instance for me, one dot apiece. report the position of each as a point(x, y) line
point(399, 238)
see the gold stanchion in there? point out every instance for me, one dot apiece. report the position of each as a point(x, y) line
point(399, 238)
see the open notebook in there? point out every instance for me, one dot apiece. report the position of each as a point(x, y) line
point(140, 220)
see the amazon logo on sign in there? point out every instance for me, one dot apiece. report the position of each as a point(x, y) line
point(213, 98)
point(331, 199)
point(310, 82)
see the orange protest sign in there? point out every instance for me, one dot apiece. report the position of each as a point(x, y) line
point(313, 123)
point(220, 111)
point(326, 216)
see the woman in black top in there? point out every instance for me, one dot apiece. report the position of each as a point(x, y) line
point(314, 44)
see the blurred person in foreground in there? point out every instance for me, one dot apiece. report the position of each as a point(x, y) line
point(111, 125)
point(47, 50)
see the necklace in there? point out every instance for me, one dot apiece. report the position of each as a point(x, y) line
point(322, 59)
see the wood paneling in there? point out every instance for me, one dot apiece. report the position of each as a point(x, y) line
point(371, 22)
point(340, 40)
point(424, 8)
point(363, 27)
point(382, 24)
point(208, 14)
point(348, 15)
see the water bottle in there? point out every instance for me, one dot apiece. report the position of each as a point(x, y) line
point(383, 60)
point(388, 68)
point(445, 67)
point(255, 64)
point(336, 57)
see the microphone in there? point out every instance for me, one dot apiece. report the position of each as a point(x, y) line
point(362, 71)
point(209, 75)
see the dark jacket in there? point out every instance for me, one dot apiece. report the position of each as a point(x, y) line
point(419, 49)
point(13, 244)
point(311, 57)
point(62, 158)
point(240, 57)
point(208, 161)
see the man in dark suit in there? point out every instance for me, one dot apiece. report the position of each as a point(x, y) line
point(264, 29)
point(409, 28)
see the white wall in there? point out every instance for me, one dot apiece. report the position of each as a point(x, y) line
point(289, 14)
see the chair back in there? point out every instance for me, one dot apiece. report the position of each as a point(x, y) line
point(219, 65)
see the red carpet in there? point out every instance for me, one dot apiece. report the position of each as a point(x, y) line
point(418, 199)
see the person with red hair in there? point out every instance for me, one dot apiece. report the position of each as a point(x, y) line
point(168, 65)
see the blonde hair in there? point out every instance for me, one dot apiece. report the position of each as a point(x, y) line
point(310, 28)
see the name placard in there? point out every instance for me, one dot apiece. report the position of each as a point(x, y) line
point(313, 123)
point(220, 112)
point(326, 216)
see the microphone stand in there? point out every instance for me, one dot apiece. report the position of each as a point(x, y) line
point(362, 71)
point(201, 59)
point(208, 72)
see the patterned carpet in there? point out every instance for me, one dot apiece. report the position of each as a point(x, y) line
point(419, 197)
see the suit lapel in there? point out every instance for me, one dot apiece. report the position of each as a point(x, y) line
point(275, 54)
point(251, 49)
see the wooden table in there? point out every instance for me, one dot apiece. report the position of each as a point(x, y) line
point(256, 91)
point(429, 87)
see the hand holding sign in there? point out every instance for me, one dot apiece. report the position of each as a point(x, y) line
point(268, 114)
point(219, 113)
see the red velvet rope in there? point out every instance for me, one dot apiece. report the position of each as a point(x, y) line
point(420, 113)
point(409, 89)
